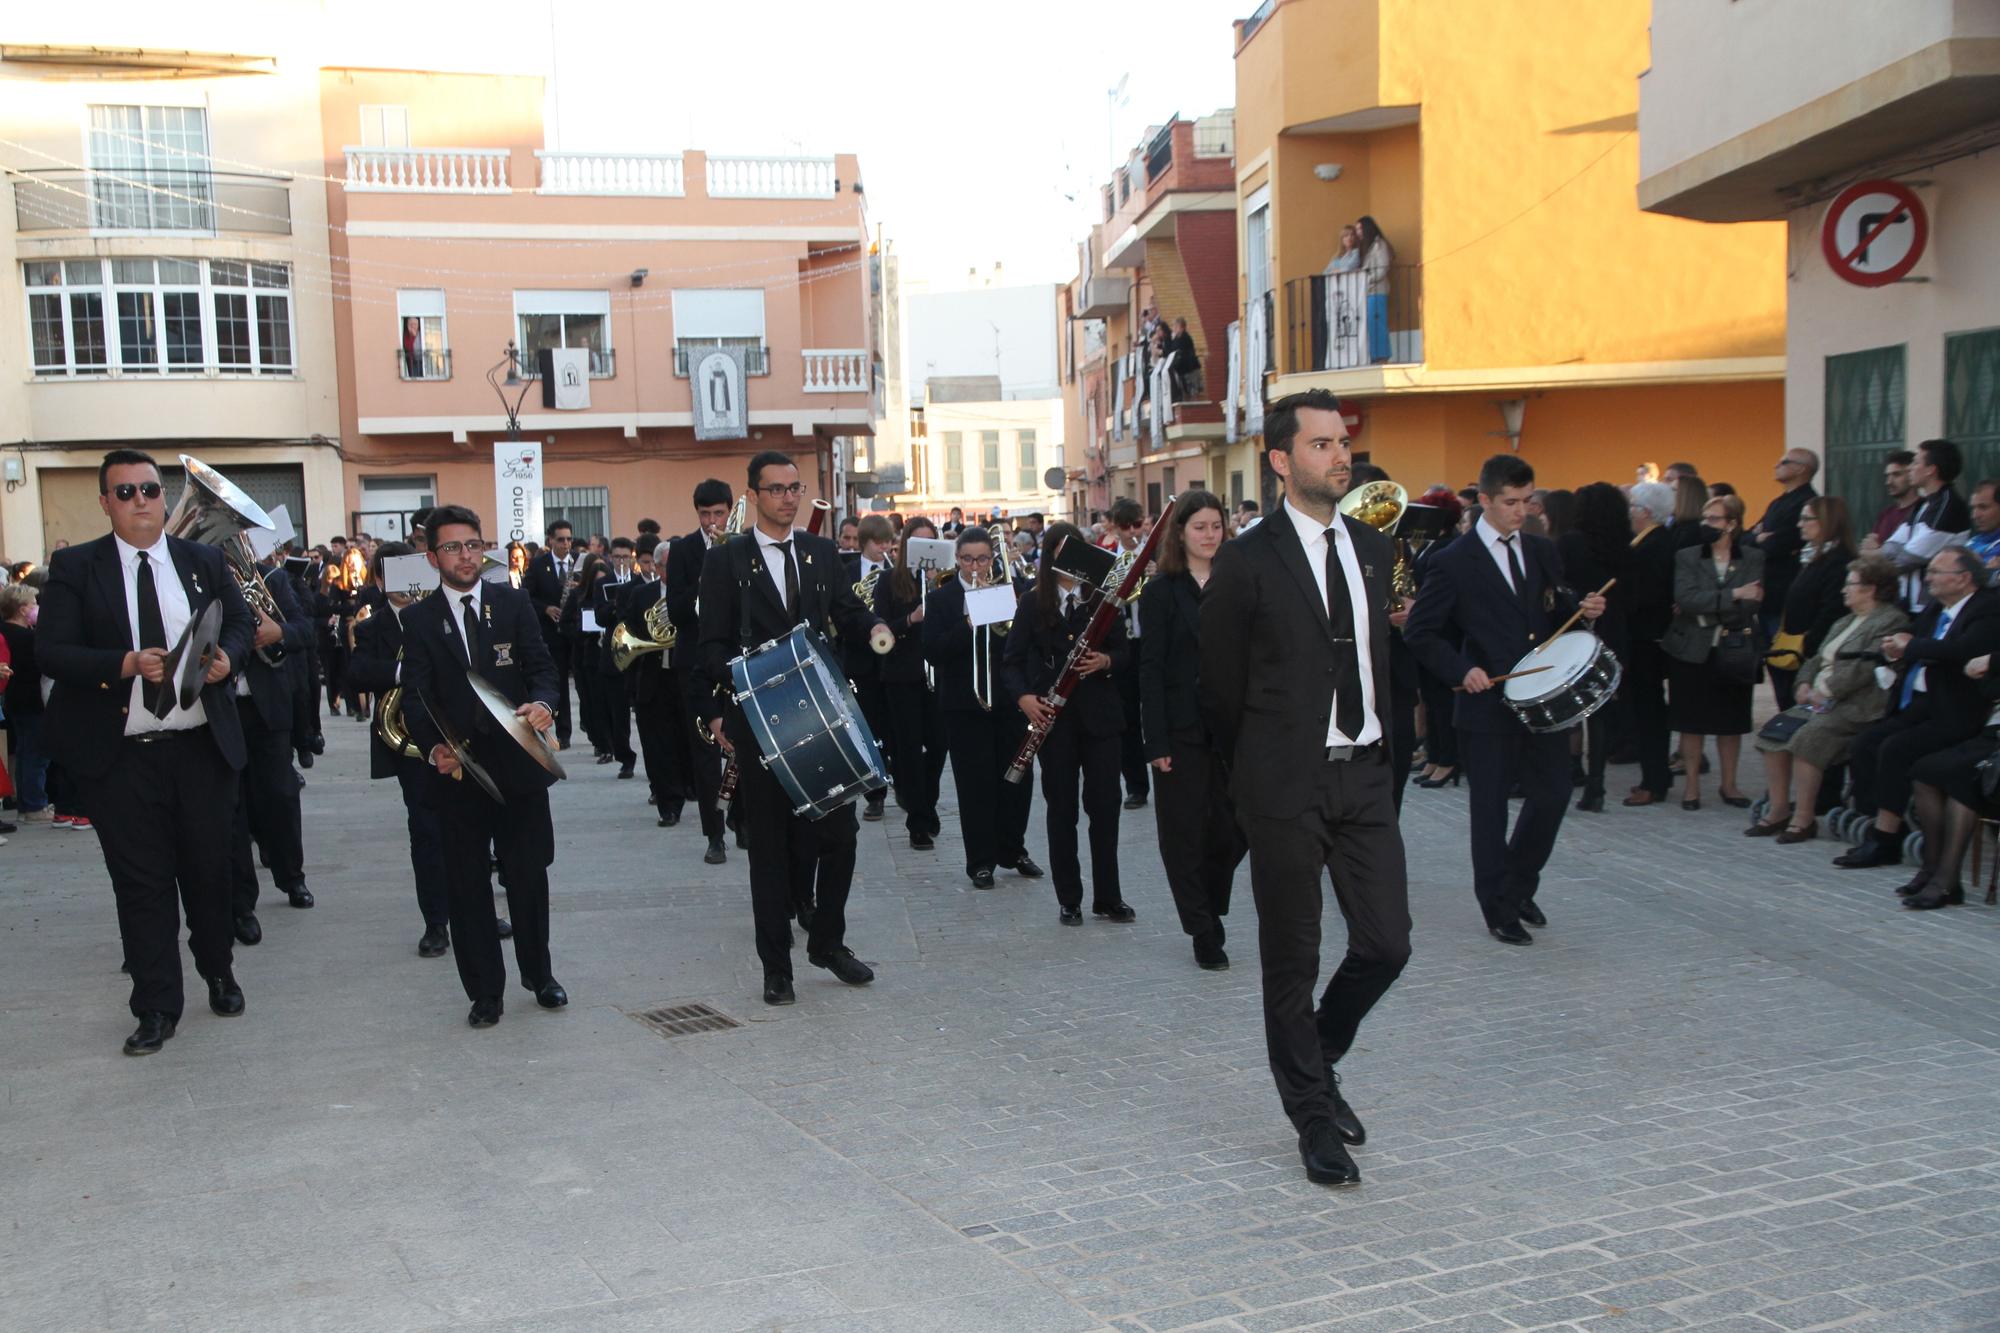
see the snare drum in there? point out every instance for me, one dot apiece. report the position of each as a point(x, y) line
point(1582, 676)
point(808, 724)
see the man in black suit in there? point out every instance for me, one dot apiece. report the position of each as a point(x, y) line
point(615, 693)
point(703, 767)
point(1295, 685)
point(160, 790)
point(304, 574)
point(992, 813)
point(652, 693)
point(1501, 590)
point(267, 803)
point(1935, 705)
point(873, 541)
point(377, 668)
point(754, 589)
point(1128, 523)
point(547, 578)
point(471, 624)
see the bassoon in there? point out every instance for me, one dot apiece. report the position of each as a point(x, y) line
point(1109, 607)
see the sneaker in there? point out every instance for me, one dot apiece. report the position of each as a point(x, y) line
point(45, 815)
point(80, 823)
point(59, 821)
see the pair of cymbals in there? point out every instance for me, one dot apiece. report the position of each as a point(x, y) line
point(189, 660)
point(511, 723)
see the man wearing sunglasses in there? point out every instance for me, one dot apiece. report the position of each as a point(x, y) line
point(158, 780)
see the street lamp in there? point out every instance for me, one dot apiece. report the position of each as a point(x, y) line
point(511, 363)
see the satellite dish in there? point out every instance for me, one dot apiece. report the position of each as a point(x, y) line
point(1053, 478)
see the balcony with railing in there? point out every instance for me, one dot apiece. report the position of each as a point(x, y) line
point(138, 199)
point(1192, 159)
point(772, 178)
point(836, 370)
point(660, 175)
point(427, 170)
point(1334, 322)
point(424, 363)
point(603, 364)
point(756, 356)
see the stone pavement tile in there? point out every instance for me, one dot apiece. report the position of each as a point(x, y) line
point(919, 1275)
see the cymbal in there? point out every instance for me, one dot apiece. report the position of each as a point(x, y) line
point(502, 710)
point(456, 744)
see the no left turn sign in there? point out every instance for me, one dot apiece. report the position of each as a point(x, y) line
point(1874, 233)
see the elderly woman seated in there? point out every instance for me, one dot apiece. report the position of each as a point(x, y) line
point(1838, 698)
point(1952, 797)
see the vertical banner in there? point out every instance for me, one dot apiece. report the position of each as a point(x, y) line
point(1234, 384)
point(517, 492)
point(1163, 401)
point(1346, 309)
point(716, 383)
point(1253, 370)
point(1118, 399)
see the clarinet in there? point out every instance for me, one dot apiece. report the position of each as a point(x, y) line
point(1108, 609)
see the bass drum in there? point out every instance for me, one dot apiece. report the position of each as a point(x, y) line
point(1582, 676)
point(808, 724)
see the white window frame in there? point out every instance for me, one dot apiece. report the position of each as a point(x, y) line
point(107, 287)
point(190, 186)
point(384, 125)
point(428, 305)
point(1257, 215)
point(709, 317)
point(563, 303)
point(991, 475)
point(1027, 443)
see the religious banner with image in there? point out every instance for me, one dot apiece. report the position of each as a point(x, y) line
point(1234, 384)
point(1346, 320)
point(715, 381)
point(1253, 370)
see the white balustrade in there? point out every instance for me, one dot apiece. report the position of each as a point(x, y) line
point(836, 370)
point(658, 174)
point(771, 178)
point(428, 170)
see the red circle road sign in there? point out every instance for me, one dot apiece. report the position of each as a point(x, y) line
point(1874, 233)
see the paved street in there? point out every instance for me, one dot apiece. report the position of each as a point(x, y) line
point(1728, 1088)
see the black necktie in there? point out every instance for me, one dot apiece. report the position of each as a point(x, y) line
point(471, 631)
point(1514, 567)
point(152, 629)
point(1348, 712)
point(791, 580)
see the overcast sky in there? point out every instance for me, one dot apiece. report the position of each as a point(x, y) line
point(981, 128)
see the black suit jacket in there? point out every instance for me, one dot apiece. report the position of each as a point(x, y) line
point(378, 652)
point(274, 688)
point(683, 580)
point(1648, 583)
point(1467, 590)
point(1975, 631)
point(949, 643)
point(648, 677)
point(434, 672)
point(85, 630)
point(1270, 663)
point(606, 599)
point(1170, 664)
point(1034, 658)
point(545, 590)
point(904, 663)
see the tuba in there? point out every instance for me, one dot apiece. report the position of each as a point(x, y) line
point(982, 638)
point(1381, 505)
point(395, 734)
point(214, 511)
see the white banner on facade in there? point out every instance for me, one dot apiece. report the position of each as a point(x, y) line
point(1163, 401)
point(517, 492)
point(569, 378)
point(1253, 370)
point(716, 383)
point(1118, 399)
point(1232, 386)
point(1346, 320)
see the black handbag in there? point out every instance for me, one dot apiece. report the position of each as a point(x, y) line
point(1736, 658)
point(1783, 726)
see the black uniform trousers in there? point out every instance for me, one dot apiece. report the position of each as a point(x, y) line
point(1646, 703)
point(614, 711)
point(305, 702)
point(1350, 831)
point(705, 762)
point(1402, 740)
point(793, 860)
point(1440, 736)
point(657, 722)
point(1201, 843)
point(873, 697)
point(267, 809)
point(1883, 754)
point(917, 751)
point(163, 813)
point(474, 827)
point(1132, 743)
point(558, 646)
point(1506, 870)
point(1070, 757)
point(992, 812)
point(426, 844)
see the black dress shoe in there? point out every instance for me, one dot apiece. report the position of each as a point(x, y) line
point(1024, 866)
point(871, 811)
point(1071, 916)
point(1591, 805)
point(301, 896)
point(317, 744)
point(1119, 912)
point(670, 817)
point(1532, 915)
point(843, 964)
point(1736, 802)
point(920, 840)
point(1511, 933)
point(435, 943)
point(604, 757)
point(803, 914)
point(225, 997)
point(1935, 896)
point(153, 1031)
point(778, 990)
point(1326, 1157)
point(624, 770)
point(551, 995)
point(715, 855)
point(1211, 958)
point(247, 929)
point(1135, 801)
point(1918, 882)
point(1345, 1122)
point(305, 758)
point(485, 1013)
point(982, 879)
point(503, 928)
point(1877, 849)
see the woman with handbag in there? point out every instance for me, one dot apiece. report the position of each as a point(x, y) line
point(1817, 598)
point(1838, 698)
point(1711, 647)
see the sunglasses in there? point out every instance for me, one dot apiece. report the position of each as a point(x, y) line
point(125, 490)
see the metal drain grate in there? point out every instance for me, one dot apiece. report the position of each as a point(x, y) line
point(679, 1020)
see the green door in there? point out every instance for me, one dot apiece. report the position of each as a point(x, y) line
point(1864, 425)
point(1972, 401)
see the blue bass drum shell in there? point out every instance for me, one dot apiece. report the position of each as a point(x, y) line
point(808, 725)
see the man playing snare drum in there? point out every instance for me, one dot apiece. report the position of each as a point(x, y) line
point(1501, 592)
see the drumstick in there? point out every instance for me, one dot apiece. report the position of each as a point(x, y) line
point(1495, 680)
point(1567, 623)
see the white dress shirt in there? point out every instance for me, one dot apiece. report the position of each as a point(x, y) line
point(1312, 536)
point(774, 562)
point(1496, 546)
point(174, 616)
point(456, 607)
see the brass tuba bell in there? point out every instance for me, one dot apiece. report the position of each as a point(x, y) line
point(1381, 505)
point(389, 719)
point(214, 511)
point(627, 647)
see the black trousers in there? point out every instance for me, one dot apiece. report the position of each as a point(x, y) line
point(1645, 692)
point(793, 860)
point(473, 828)
point(1440, 736)
point(163, 813)
point(426, 844)
point(1883, 754)
point(992, 812)
point(1506, 870)
point(1132, 744)
point(558, 647)
point(1071, 759)
point(917, 752)
point(705, 761)
point(1201, 844)
point(334, 659)
point(614, 711)
point(305, 702)
point(267, 809)
point(1402, 742)
point(874, 699)
point(1350, 831)
point(654, 720)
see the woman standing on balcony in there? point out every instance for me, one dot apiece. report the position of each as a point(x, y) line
point(1376, 257)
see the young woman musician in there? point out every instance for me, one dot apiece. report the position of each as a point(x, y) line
point(916, 723)
point(1200, 841)
point(1083, 746)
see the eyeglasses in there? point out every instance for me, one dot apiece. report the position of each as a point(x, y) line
point(779, 492)
point(472, 547)
point(125, 490)
point(976, 561)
